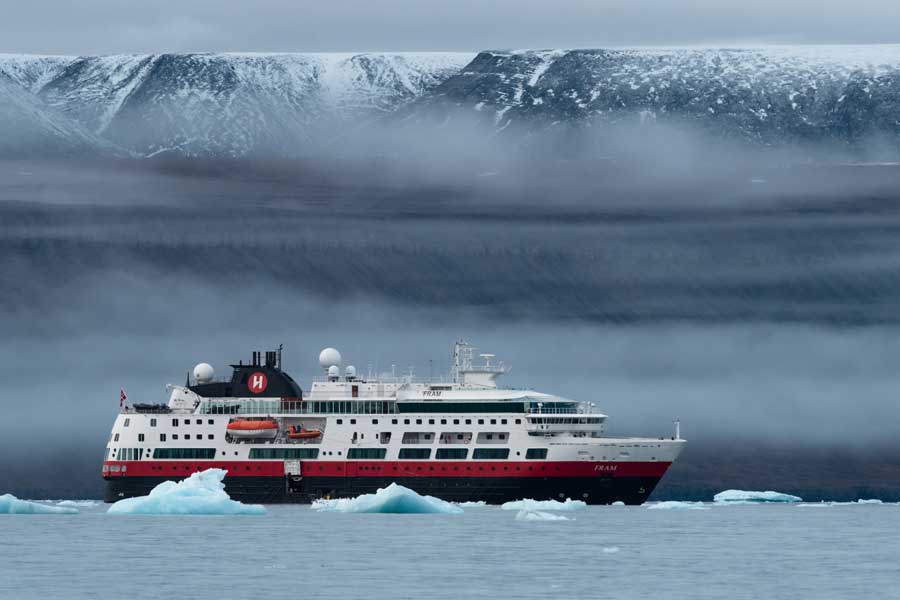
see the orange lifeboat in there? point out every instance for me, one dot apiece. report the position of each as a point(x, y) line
point(244, 429)
point(297, 432)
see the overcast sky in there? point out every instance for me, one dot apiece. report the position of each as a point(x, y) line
point(110, 26)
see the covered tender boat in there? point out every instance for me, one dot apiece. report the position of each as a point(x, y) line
point(253, 429)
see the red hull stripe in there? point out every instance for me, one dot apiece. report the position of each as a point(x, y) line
point(384, 468)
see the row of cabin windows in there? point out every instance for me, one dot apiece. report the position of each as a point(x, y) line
point(445, 453)
point(184, 453)
point(284, 453)
point(187, 436)
point(128, 454)
point(432, 421)
point(175, 422)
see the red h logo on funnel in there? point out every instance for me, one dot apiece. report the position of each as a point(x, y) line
point(258, 383)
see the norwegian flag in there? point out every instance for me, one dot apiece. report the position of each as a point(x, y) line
point(122, 398)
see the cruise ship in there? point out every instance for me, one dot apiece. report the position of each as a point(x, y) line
point(460, 437)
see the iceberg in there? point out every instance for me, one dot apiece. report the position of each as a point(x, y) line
point(533, 505)
point(82, 503)
point(536, 515)
point(742, 497)
point(203, 493)
point(10, 505)
point(676, 505)
point(394, 499)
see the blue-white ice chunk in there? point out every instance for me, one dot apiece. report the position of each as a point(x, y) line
point(471, 504)
point(202, 493)
point(77, 503)
point(528, 504)
point(676, 505)
point(743, 497)
point(394, 499)
point(618, 503)
point(537, 515)
point(10, 505)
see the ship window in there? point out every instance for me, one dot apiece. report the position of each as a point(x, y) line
point(283, 453)
point(210, 422)
point(503, 421)
point(127, 422)
point(415, 453)
point(140, 437)
point(406, 421)
point(394, 421)
point(162, 437)
point(184, 452)
point(340, 421)
point(468, 421)
point(187, 421)
point(502, 436)
point(174, 422)
point(443, 421)
point(493, 421)
point(490, 436)
point(518, 421)
point(116, 438)
point(456, 421)
point(418, 421)
point(211, 436)
point(481, 421)
point(491, 453)
point(431, 421)
point(366, 453)
point(536, 454)
point(374, 421)
point(353, 421)
point(152, 422)
point(452, 453)
point(174, 436)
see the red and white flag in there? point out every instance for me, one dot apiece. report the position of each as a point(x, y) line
point(122, 398)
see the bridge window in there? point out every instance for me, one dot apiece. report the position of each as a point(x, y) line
point(415, 453)
point(536, 454)
point(127, 422)
point(491, 453)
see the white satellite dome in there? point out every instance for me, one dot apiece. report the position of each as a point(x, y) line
point(350, 372)
point(329, 357)
point(334, 372)
point(203, 373)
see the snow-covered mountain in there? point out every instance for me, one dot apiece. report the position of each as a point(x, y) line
point(771, 95)
point(291, 104)
point(29, 129)
point(229, 104)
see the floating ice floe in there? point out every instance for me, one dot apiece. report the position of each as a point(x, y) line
point(618, 503)
point(202, 493)
point(528, 504)
point(471, 504)
point(394, 499)
point(82, 503)
point(744, 497)
point(610, 549)
point(537, 515)
point(10, 505)
point(828, 504)
point(676, 505)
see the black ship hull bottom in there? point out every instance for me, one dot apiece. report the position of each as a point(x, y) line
point(492, 490)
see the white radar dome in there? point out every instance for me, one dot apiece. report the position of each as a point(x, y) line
point(329, 357)
point(334, 371)
point(350, 371)
point(203, 373)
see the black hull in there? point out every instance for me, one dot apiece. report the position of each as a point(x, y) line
point(496, 490)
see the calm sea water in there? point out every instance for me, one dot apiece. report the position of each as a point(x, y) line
point(605, 552)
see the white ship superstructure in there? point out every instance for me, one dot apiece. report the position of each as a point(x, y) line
point(460, 438)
